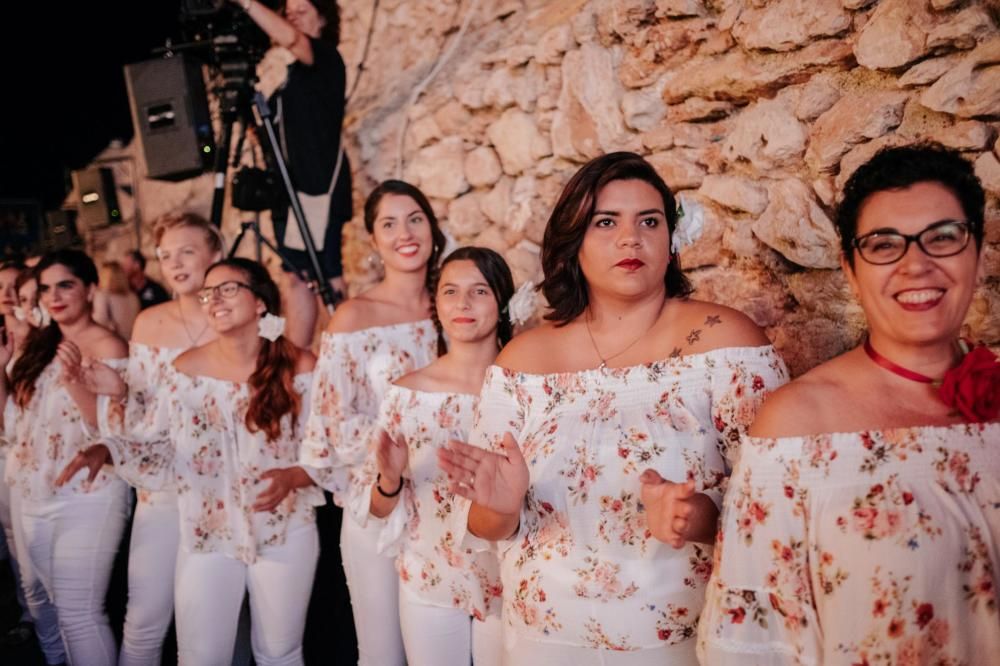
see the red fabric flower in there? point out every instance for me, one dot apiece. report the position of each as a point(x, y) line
point(973, 386)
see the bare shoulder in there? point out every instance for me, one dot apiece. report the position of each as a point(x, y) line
point(153, 325)
point(538, 350)
point(801, 406)
point(106, 345)
point(352, 315)
point(305, 362)
point(418, 380)
point(188, 362)
point(709, 326)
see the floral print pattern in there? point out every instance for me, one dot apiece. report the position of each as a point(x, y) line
point(428, 525)
point(353, 373)
point(583, 568)
point(859, 548)
point(45, 436)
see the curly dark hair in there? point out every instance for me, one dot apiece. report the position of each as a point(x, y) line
point(900, 167)
point(497, 274)
point(564, 286)
point(330, 12)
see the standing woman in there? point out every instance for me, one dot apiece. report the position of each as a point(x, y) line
point(629, 375)
point(231, 428)
point(371, 341)
point(443, 585)
point(863, 517)
point(66, 536)
point(115, 304)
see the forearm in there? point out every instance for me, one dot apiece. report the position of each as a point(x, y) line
point(703, 522)
point(492, 525)
point(381, 506)
point(279, 29)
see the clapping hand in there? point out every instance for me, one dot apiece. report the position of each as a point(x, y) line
point(392, 457)
point(495, 481)
point(668, 507)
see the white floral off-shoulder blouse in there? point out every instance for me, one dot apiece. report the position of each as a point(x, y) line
point(352, 374)
point(216, 463)
point(144, 416)
point(583, 569)
point(46, 435)
point(427, 526)
point(878, 547)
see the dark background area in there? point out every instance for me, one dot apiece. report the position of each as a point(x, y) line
point(63, 86)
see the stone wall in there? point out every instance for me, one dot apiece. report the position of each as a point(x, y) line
point(757, 109)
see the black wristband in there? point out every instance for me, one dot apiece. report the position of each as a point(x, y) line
point(378, 487)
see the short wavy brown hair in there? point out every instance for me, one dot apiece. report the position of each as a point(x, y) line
point(564, 286)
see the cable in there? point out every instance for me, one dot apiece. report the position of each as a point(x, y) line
point(364, 53)
point(442, 60)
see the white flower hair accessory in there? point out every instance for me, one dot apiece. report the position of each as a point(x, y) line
point(38, 317)
point(690, 224)
point(270, 327)
point(20, 314)
point(521, 305)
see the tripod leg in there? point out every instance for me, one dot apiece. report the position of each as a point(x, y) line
point(221, 164)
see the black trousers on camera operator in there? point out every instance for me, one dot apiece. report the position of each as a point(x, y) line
point(310, 111)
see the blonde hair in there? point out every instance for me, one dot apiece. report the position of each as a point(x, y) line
point(185, 219)
point(112, 278)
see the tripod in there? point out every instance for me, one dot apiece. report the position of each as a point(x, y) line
point(236, 106)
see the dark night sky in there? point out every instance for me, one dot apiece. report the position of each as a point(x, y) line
point(57, 115)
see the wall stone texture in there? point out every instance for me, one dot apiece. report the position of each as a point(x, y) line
point(757, 109)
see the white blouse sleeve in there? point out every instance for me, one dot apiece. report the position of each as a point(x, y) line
point(341, 416)
point(759, 605)
point(738, 388)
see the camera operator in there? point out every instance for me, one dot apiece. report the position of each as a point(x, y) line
point(311, 114)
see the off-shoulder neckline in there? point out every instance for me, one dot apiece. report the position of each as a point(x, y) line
point(397, 387)
point(299, 376)
point(628, 369)
point(791, 439)
point(368, 329)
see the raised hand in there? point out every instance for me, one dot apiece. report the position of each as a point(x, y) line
point(283, 482)
point(100, 379)
point(668, 507)
point(495, 481)
point(71, 359)
point(6, 347)
point(92, 458)
point(392, 457)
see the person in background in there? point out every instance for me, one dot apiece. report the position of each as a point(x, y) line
point(115, 304)
point(863, 516)
point(149, 291)
point(309, 109)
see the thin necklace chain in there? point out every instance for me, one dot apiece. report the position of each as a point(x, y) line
point(192, 339)
point(604, 361)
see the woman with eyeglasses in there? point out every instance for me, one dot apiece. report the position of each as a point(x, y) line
point(372, 340)
point(67, 534)
point(862, 519)
point(229, 440)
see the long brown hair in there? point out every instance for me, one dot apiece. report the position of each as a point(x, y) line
point(565, 286)
point(41, 343)
point(272, 384)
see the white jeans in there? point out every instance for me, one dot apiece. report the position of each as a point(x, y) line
point(374, 587)
point(67, 547)
point(8, 547)
point(528, 653)
point(209, 593)
point(437, 636)
point(151, 562)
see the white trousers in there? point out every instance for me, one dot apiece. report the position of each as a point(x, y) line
point(8, 548)
point(67, 547)
point(437, 636)
point(151, 562)
point(209, 591)
point(529, 653)
point(374, 586)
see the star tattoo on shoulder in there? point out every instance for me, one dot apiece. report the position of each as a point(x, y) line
point(712, 320)
point(694, 336)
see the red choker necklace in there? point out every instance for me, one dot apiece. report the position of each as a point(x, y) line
point(972, 387)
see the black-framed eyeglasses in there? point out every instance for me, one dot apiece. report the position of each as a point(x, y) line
point(941, 239)
point(226, 290)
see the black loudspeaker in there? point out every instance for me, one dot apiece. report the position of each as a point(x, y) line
point(98, 199)
point(170, 115)
point(60, 231)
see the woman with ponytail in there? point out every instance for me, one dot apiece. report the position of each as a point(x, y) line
point(372, 340)
point(247, 524)
point(443, 585)
point(68, 533)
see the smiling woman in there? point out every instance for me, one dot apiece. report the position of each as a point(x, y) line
point(863, 475)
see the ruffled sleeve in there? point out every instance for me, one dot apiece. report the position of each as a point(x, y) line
point(759, 606)
point(342, 416)
point(739, 384)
